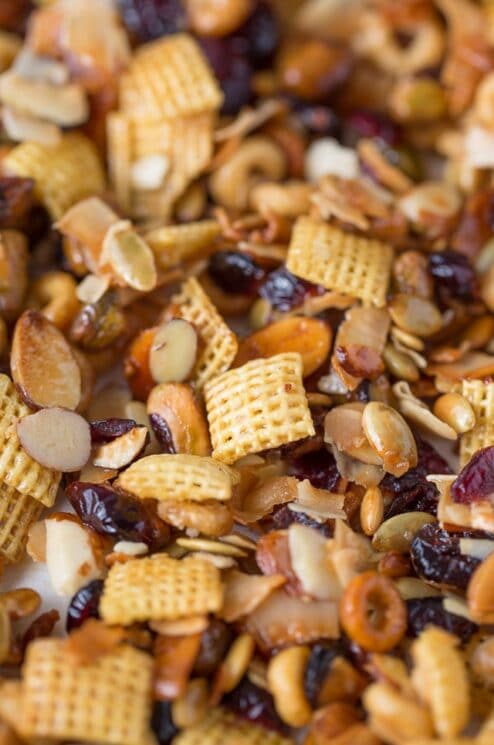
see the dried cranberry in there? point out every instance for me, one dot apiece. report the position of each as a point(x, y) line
point(232, 69)
point(285, 291)
point(235, 272)
point(162, 722)
point(424, 612)
point(42, 626)
point(105, 430)
point(436, 557)
point(115, 513)
point(475, 481)
point(371, 124)
point(16, 201)
point(283, 517)
point(318, 119)
point(215, 641)
point(150, 19)
point(318, 667)
point(412, 492)
point(14, 14)
point(319, 467)
point(453, 273)
point(84, 604)
point(254, 704)
point(163, 433)
point(260, 35)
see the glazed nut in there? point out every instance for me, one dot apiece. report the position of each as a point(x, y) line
point(390, 436)
point(57, 438)
point(122, 450)
point(178, 419)
point(397, 532)
point(371, 510)
point(372, 612)
point(286, 684)
point(173, 352)
point(209, 518)
point(190, 708)
point(343, 428)
point(311, 69)
point(128, 257)
point(255, 158)
point(98, 324)
point(482, 661)
point(54, 295)
point(217, 17)
point(290, 199)
point(233, 667)
point(456, 411)
point(400, 364)
point(411, 274)
point(480, 592)
point(415, 314)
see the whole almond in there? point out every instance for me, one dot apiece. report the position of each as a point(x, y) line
point(43, 365)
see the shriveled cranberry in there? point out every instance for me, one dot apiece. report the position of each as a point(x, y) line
point(285, 291)
point(424, 612)
point(162, 722)
point(261, 35)
point(475, 481)
point(16, 201)
point(14, 14)
point(319, 467)
point(84, 604)
point(283, 517)
point(118, 514)
point(235, 272)
point(453, 273)
point(371, 124)
point(162, 432)
point(436, 557)
point(232, 69)
point(105, 430)
point(318, 667)
point(150, 19)
point(255, 704)
point(215, 641)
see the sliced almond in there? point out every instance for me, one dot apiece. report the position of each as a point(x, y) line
point(92, 288)
point(175, 412)
point(308, 551)
point(129, 256)
point(122, 450)
point(70, 558)
point(66, 105)
point(57, 438)
point(173, 352)
point(42, 363)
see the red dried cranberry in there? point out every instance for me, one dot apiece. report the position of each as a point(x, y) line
point(16, 201)
point(14, 14)
point(233, 70)
point(115, 513)
point(150, 19)
point(163, 433)
point(235, 272)
point(285, 291)
point(260, 35)
point(215, 641)
point(84, 604)
point(283, 517)
point(254, 704)
point(453, 273)
point(319, 467)
point(371, 124)
point(424, 612)
point(105, 430)
point(162, 722)
point(475, 481)
point(318, 667)
point(436, 557)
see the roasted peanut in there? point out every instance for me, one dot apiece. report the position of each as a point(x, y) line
point(312, 69)
point(217, 17)
point(480, 592)
point(400, 364)
point(456, 411)
point(371, 510)
point(415, 314)
point(286, 684)
point(390, 436)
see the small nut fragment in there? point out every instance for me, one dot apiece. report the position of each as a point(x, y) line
point(390, 436)
point(43, 365)
point(173, 352)
point(122, 450)
point(286, 683)
point(129, 256)
point(456, 411)
point(211, 518)
point(371, 510)
point(57, 438)
point(480, 592)
point(400, 364)
point(415, 314)
point(178, 419)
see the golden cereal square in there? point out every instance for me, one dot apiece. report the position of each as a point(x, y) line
point(160, 588)
point(340, 261)
point(64, 173)
point(172, 244)
point(17, 469)
point(17, 513)
point(107, 702)
point(169, 78)
point(481, 397)
point(221, 727)
point(258, 406)
point(220, 343)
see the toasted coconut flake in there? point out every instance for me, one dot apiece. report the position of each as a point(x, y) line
point(65, 105)
point(87, 223)
point(92, 288)
point(260, 502)
point(129, 257)
point(413, 408)
point(471, 365)
point(57, 438)
point(123, 450)
point(343, 428)
point(308, 550)
point(22, 127)
point(245, 592)
point(321, 501)
point(203, 544)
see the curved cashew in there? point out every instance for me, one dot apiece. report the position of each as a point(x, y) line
point(286, 684)
point(54, 294)
point(288, 200)
point(256, 159)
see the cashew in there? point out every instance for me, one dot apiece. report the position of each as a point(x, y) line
point(286, 684)
point(54, 294)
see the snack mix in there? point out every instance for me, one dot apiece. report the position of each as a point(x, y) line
point(247, 372)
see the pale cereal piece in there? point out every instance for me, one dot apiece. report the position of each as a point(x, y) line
point(220, 727)
point(160, 588)
point(119, 146)
point(340, 261)
point(64, 173)
point(220, 343)
point(169, 78)
point(441, 680)
point(106, 702)
point(17, 469)
point(17, 513)
point(481, 396)
point(173, 244)
point(179, 477)
point(258, 406)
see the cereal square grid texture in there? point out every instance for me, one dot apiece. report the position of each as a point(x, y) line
point(220, 727)
point(178, 477)
point(64, 173)
point(221, 344)
point(258, 406)
point(17, 513)
point(17, 469)
point(481, 397)
point(169, 78)
point(340, 261)
point(172, 244)
point(106, 702)
point(160, 588)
